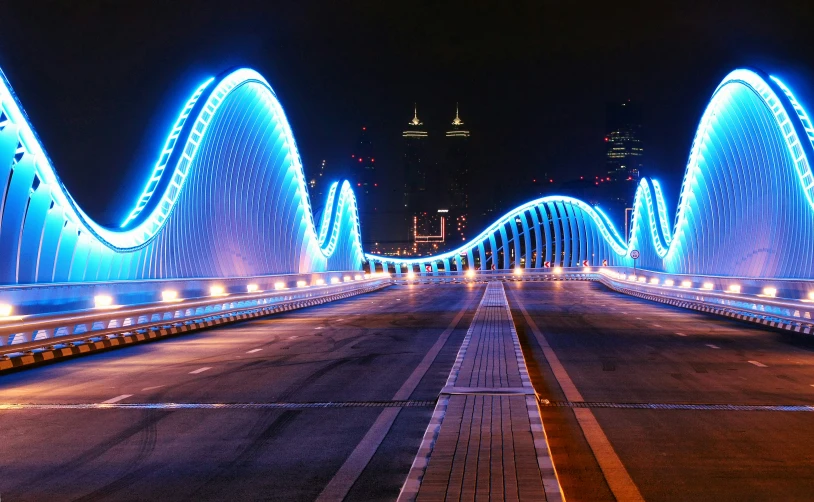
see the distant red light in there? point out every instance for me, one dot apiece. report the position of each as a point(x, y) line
point(606, 138)
point(352, 155)
point(375, 184)
point(360, 159)
point(364, 128)
point(551, 181)
point(358, 184)
point(373, 160)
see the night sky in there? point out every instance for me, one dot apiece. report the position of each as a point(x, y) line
point(102, 81)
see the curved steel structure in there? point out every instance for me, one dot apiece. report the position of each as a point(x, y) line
point(746, 206)
point(226, 198)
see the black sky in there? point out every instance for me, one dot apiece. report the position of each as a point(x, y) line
point(102, 80)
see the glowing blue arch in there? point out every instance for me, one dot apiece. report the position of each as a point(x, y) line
point(746, 206)
point(226, 198)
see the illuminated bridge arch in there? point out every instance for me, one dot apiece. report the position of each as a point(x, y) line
point(552, 232)
point(746, 206)
point(226, 198)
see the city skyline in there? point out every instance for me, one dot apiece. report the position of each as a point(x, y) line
point(534, 80)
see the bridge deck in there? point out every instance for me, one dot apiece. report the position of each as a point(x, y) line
point(486, 439)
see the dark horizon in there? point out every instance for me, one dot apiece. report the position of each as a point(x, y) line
point(532, 80)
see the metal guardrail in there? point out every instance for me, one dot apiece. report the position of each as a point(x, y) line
point(37, 331)
point(788, 311)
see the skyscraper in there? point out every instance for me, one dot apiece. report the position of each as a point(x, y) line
point(457, 167)
point(624, 149)
point(415, 171)
point(363, 165)
point(363, 177)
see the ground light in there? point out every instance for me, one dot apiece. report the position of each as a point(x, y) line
point(470, 273)
point(770, 292)
point(102, 301)
point(518, 271)
point(708, 286)
point(734, 288)
point(411, 275)
point(302, 284)
point(217, 290)
point(169, 295)
point(5, 310)
point(279, 285)
point(320, 282)
point(252, 288)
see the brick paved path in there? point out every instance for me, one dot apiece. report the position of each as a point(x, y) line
point(485, 441)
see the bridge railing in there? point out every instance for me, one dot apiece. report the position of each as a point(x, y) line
point(26, 332)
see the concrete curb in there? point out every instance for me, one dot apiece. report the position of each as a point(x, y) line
point(118, 341)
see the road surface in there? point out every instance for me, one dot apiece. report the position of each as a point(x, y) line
point(619, 349)
point(365, 351)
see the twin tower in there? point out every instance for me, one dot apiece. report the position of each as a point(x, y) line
point(436, 186)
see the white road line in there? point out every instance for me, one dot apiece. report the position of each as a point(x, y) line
point(339, 486)
point(616, 474)
point(680, 334)
point(712, 346)
point(200, 370)
point(145, 389)
point(657, 325)
point(639, 318)
point(292, 337)
point(758, 364)
point(253, 351)
point(117, 399)
point(318, 327)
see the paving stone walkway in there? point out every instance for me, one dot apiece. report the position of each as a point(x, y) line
point(485, 440)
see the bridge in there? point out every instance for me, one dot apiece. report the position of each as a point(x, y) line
point(226, 342)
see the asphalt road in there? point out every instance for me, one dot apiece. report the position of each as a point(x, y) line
point(620, 349)
point(364, 351)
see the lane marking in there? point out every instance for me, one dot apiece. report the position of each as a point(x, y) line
point(758, 364)
point(619, 480)
point(339, 486)
point(639, 318)
point(680, 334)
point(253, 351)
point(293, 337)
point(657, 325)
point(117, 399)
point(318, 327)
point(200, 370)
point(145, 389)
point(220, 406)
point(712, 346)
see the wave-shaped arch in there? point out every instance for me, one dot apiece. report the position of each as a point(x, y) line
point(746, 206)
point(227, 197)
